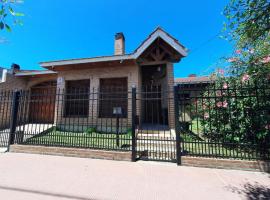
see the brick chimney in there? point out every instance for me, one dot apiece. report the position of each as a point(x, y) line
point(119, 44)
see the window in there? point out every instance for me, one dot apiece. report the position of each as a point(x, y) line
point(113, 93)
point(77, 98)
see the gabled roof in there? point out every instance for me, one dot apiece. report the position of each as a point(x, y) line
point(160, 33)
point(157, 33)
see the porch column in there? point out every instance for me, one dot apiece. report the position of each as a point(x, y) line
point(59, 100)
point(171, 108)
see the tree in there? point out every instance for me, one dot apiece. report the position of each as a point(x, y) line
point(248, 21)
point(238, 110)
point(8, 15)
point(249, 26)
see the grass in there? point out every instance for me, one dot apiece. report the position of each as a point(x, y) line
point(84, 140)
point(196, 126)
point(195, 144)
point(208, 149)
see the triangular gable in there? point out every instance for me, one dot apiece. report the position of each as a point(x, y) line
point(159, 33)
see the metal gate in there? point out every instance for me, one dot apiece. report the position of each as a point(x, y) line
point(155, 125)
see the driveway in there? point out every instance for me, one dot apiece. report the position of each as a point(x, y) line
point(26, 176)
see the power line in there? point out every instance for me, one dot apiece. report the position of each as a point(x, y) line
point(205, 43)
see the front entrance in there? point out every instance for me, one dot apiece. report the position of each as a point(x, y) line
point(42, 103)
point(154, 104)
point(155, 139)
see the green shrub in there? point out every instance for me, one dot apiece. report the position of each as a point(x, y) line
point(237, 111)
point(91, 130)
point(129, 131)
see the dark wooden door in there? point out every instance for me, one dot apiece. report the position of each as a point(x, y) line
point(42, 103)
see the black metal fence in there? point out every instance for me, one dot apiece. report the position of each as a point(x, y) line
point(219, 120)
point(225, 120)
point(5, 116)
point(72, 119)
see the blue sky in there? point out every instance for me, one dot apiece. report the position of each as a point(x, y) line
point(66, 29)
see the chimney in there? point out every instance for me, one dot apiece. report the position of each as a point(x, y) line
point(15, 68)
point(192, 75)
point(119, 44)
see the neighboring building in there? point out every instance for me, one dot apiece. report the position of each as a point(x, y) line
point(193, 85)
point(2, 74)
point(189, 88)
point(149, 66)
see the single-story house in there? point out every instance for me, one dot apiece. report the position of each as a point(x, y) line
point(193, 85)
point(190, 88)
point(150, 65)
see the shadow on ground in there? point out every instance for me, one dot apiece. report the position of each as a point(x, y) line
point(43, 193)
point(253, 191)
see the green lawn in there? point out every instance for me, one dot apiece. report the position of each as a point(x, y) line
point(196, 126)
point(192, 146)
point(195, 144)
point(85, 140)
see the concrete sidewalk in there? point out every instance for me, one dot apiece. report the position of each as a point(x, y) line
point(26, 176)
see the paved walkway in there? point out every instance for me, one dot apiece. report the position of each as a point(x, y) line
point(26, 176)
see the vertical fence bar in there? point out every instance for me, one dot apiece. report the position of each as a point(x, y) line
point(133, 157)
point(14, 113)
point(177, 127)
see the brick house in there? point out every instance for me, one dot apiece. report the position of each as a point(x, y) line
point(149, 66)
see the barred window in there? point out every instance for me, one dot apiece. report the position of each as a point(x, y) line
point(113, 93)
point(77, 98)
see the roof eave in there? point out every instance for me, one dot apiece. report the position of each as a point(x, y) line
point(85, 60)
point(35, 73)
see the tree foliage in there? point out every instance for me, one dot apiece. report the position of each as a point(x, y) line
point(239, 110)
point(248, 21)
point(236, 110)
point(8, 15)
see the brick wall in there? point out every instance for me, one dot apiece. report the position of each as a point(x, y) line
point(256, 165)
point(94, 75)
point(12, 83)
point(72, 152)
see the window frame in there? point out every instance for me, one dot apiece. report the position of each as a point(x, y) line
point(83, 94)
point(112, 94)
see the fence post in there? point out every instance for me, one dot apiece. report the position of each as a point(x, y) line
point(177, 127)
point(133, 156)
point(14, 113)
